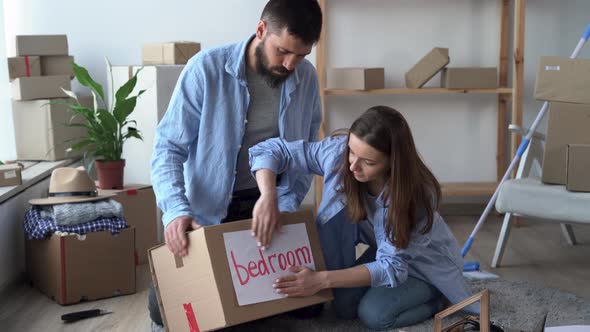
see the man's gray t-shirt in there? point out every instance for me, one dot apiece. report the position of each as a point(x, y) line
point(262, 123)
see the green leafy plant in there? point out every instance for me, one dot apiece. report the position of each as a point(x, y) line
point(107, 128)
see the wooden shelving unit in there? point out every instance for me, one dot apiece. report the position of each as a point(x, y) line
point(422, 91)
point(505, 94)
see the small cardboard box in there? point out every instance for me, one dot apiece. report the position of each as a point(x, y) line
point(40, 131)
point(427, 67)
point(52, 65)
point(140, 210)
point(40, 87)
point(578, 167)
point(469, 78)
point(172, 53)
point(159, 83)
point(24, 66)
point(215, 286)
point(72, 268)
point(356, 78)
point(42, 45)
point(568, 124)
point(10, 175)
point(563, 79)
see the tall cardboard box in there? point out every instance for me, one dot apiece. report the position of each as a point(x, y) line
point(568, 124)
point(24, 66)
point(41, 45)
point(203, 290)
point(172, 53)
point(39, 129)
point(52, 65)
point(40, 87)
point(427, 67)
point(141, 212)
point(563, 79)
point(159, 83)
point(469, 78)
point(356, 78)
point(578, 167)
point(71, 269)
point(10, 175)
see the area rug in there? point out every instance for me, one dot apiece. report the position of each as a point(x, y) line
point(514, 304)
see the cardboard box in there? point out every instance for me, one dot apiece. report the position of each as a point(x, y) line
point(356, 78)
point(10, 175)
point(202, 288)
point(42, 45)
point(469, 78)
point(140, 210)
point(40, 87)
point(39, 129)
point(427, 67)
point(72, 268)
point(568, 124)
point(159, 83)
point(563, 79)
point(24, 66)
point(57, 65)
point(172, 53)
point(578, 167)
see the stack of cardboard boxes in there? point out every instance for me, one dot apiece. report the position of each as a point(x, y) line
point(73, 268)
point(564, 82)
point(38, 73)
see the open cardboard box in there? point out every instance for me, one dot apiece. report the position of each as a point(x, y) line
point(199, 291)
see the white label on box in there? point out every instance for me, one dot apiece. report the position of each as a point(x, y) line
point(552, 68)
point(253, 271)
point(10, 175)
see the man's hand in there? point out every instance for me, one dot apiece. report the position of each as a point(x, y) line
point(265, 218)
point(175, 234)
point(305, 282)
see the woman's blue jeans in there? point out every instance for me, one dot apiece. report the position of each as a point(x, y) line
point(381, 308)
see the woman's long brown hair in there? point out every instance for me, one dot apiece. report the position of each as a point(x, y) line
point(410, 184)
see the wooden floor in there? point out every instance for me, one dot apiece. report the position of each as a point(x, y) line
point(536, 252)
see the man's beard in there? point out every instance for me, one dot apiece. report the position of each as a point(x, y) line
point(262, 68)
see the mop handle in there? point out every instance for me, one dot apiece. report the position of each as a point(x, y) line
point(521, 149)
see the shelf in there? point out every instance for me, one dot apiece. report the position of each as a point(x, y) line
point(468, 188)
point(405, 91)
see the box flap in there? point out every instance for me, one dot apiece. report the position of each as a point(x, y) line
point(186, 287)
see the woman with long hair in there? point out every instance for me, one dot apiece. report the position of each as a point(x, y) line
point(374, 178)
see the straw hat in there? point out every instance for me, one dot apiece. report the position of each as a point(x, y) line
point(70, 185)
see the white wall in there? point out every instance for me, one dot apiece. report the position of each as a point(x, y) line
point(7, 147)
point(455, 134)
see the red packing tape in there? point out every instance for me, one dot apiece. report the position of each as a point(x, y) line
point(62, 252)
point(190, 316)
point(27, 66)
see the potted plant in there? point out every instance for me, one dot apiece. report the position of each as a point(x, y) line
point(107, 128)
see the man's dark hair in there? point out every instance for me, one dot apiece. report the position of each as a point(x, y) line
point(302, 18)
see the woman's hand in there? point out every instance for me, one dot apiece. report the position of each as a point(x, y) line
point(305, 282)
point(265, 218)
